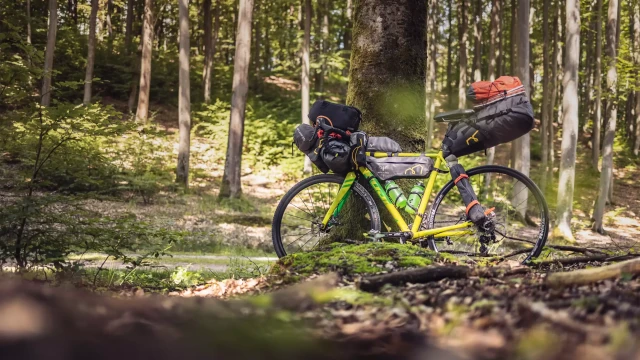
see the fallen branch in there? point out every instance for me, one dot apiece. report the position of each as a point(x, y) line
point(576, 249)
point(435, 273)
point(571, 260)
point(588, 276)
point(584, 259)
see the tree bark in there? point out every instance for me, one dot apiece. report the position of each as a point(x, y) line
point(597, 121)
point(231, 185)
point(91, 55)
point(304, 79)
point(128, 36)
point(432, 33)
point(606, 175)
point(462, 53)
point(570, 122)
point(387, 77)
point(48, 57)
point(142, 112)
point(184, 99)
point(477, 47)
point(501, 61)
point(636, 61)
point(521, 145)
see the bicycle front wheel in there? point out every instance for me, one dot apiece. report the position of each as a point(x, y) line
point(521, 216)
point(297, 222)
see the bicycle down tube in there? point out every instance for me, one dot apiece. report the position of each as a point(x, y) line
point(414, 233)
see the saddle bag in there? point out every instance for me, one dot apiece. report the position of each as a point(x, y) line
point(493, 124)
point(390, 168)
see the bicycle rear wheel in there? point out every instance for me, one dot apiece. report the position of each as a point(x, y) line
point(521, 216)
point(297, 222)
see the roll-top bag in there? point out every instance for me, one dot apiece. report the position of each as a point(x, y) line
point(344, 117)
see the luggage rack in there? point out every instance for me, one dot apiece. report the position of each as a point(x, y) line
point(454, 115)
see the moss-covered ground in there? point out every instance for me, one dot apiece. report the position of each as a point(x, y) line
point(350, 259)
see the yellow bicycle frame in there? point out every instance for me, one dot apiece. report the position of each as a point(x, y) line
point(453, 230)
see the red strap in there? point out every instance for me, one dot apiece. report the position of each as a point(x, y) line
point(463, 176)
point(471, 204)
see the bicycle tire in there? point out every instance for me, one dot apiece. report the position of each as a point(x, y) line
point(544, 216)
point(359, 190)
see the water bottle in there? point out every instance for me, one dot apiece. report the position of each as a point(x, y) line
point(415, 197)
point(395, 194)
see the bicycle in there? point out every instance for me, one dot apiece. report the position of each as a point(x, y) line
point(320, 199)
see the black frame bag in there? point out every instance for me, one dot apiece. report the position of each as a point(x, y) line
point(343, 117)
point(390, 168)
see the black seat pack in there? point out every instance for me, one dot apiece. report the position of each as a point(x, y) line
point(343, 117)
point(497, 123)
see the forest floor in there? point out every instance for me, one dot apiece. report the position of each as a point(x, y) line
point(512, 315)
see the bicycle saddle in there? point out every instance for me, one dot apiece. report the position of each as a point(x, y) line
point(454, 115)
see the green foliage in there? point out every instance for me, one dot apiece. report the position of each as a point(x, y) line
point(267, 136)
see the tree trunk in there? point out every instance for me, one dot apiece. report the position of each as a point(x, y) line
point(325, 48)
point(606, 175)
point(184, 97)
point(462, 53)
point(521, 146)
point(477, 47)
point(555, 60)
point(48, 57)
point(501, 61)
point(142, 112)
point(304, 80)
point(636, 61)
point(109, 24)
point(210, 43)
point(512, 44)
point(494, 55)
point(450, 55)
point(135, 62)
point(432, 33)
point(597, 121)
point(208, 61)
point(546, 101)
point(91, 55)
point(29, 22)
point(387, 77)
point(231, 185)
point(570, 122)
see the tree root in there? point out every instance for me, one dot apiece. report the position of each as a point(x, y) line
point(588, 276)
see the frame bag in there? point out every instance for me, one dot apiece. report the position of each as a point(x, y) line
point(493, 124)
point(390, 168)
